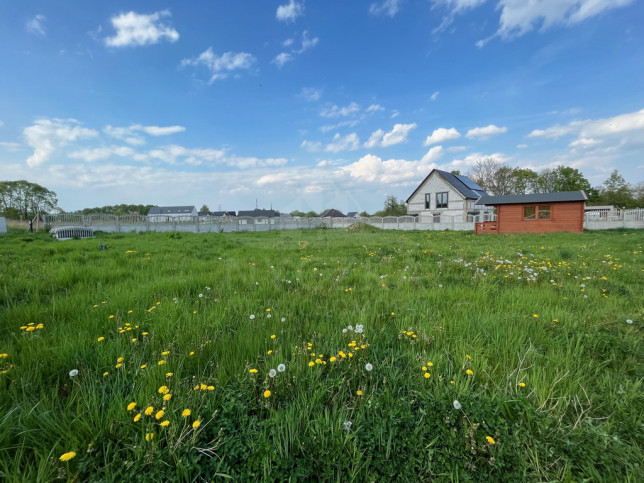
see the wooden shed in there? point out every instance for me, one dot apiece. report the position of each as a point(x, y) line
point(535, 213)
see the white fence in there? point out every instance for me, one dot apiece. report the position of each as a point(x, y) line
point(141, 223)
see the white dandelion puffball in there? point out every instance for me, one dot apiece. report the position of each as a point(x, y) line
point(457, 405)
point(347, 425)
point(281, 368)
point(73, 373)
point(350, 327)
point(272, 373)
point(283, 319)
point(344, 331)
point(268, 316)
point(368, 367)
point(252, 316)
point(629, 321)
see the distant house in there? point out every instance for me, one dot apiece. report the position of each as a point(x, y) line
point(535, 213)
point(334, 214)
point(222, 214)
point(166, 213)
point(444, 193)
point(353, 214)
point(259, 213)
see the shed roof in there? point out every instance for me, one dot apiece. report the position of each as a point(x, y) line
point(555, 197)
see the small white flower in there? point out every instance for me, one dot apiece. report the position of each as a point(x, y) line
point(281, 368)
point(252, 316)
point(344, 331)
point(208, 288)
point(359, 329)
point(256, 283)
point(629, 321)
point(272, 373)
point(272, 266)
point(200, 295)
point(283, 319)
point(73, 373)
point(368, 367)
point(347, 425)
point(268, 316)
point(457, 405)
point(350, 327)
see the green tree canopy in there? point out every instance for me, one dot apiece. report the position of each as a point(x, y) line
point(22, 199)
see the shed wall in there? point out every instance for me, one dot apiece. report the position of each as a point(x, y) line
point(563, 217)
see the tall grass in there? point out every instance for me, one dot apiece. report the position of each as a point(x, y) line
point(527, 333)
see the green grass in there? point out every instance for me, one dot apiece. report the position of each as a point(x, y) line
point(538, 320)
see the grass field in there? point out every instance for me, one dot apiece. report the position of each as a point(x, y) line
point(322, 354)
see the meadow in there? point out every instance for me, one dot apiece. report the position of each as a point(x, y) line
point(323, 354)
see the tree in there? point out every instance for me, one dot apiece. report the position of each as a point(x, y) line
point(393, 207)
point(616, 191)
point(485, 173)
point(22, 199)
point(205, 208)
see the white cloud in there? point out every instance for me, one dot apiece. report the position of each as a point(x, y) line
point(584, 142)
point(395, 114)
point(456, 149)
point(459, 5)
point(519, 17)
point(47, 135)
point(306, 43)
point(375, 139)
point(386, 7)
point(290, 11)
point(553, 132)
point(374, 108)
point(442, 135)
point(133, 29)
point(522, 146)
point(282, 58)
point(623, 123)
point(9, 146)
point(97, 154)
point(221, 66)
point(310, 94)
point(398, 134)
point(161, 131)
point(36, 26)
point(131, 134)
point(335, 111)
point(349, 142)
point(1, 123)
point(311, 146)
point(334, 127)
point(434, 96)
point(432, 155)
point(483, 133)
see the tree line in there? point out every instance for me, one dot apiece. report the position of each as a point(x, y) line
point(23, 200)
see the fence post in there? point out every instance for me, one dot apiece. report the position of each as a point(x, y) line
point(147, 224)
point(397, 223)
point(118, 225)
point(83, 220)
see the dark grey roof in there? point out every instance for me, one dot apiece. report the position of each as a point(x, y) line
point(352, 214)
point(334, 214)
point(464, 185)
point(222, 213)
point(170, 210)
point(258, 213)
point(555, 197)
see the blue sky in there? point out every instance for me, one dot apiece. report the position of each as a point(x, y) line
point(312, 104)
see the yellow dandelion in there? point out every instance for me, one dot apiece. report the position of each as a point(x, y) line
point(490, 439)
point(273, 336)
point(143, 366)
point(359, 393)
point(164, 390)
point(167, 397)
point(169, 374)
point(186, 413)
point(192, 353)
point(164, 423)
point(111, 316)
point(100, 339)
point(149, 436)
point(161, 362)
point(424, 368)
point(159, 414)
point(311, 364)
point(67, 456)
point(430, 364)
point(165, 353)
point(332, 359)
point(211, 388)
point(253, 371)
point(137, 417)
point(267, 393)
point(269, 352)
point(120, 359)
point(469, 372)
point(196, 424)
point(131, 406)
point(149, 410)
point(105, 373)
point(522, 384)
point(536, 316)
point(118, 366)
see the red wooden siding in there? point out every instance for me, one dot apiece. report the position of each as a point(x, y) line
point(565, 216)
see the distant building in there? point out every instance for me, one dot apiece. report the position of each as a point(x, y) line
point(259, 213)
point(334, 214)
point(353, 214)
point(167, 213)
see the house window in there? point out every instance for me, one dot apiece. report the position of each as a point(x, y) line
point(436, 218)
point(529, 212)
point(544, 212)
point(428, 199)
point(441, 200)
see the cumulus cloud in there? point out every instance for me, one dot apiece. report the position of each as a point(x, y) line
point(397, 135)
point(387, 7)
point(306, 43)
point(36, 26)
point(335, 111)
point(310, 94)
point(349, 142)
point(47, 135)
point(90, 155)
point(290, 11)
point(442, 135)
point(432, 155)
point(134, 29)
point(282, 58)
point(131, 134)
point(483, 133)
point(311, 146)
point(220, 66)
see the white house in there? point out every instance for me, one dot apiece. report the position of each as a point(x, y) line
point(444, 194)
point(168, 213)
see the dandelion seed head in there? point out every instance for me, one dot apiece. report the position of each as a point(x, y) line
point(272, 373)
point(457, 405)
point(73, 373)
point(368, 367)
point(281, 368)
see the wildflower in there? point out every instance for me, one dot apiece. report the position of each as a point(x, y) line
point(536, 316)
point(211, 388)
point(368, 367)
point(457, 405)
point(143, 366)
point(105, 373)
point(165, 353)
point(424, 368)
point(332, 359)
point(347, 425)
point(186, 413)
point(161, 362)
point(283, 319)
point(629, 321)
point(469, 372)
point(273, 336)
point(149, 436)
point(430, 364)
point(137, 417)
point(311, 364)
point(427, 375)
point(164, 423)
point(253, 371)
point(252, 316)
point(196, 424)
point(269, 352)
point(522, 384)
point(169, 374)
point(272, 373)
point(468, 356)
point(101, 339)
point(73, 373)
point(67, 456)
point(120, 359)
point(131, 406)
point(192, 353)
point(111, 316)
point(490, 439)
point(119, 365)
point(281, 368)
point(148, 411)
point(160, 413)
point(359, 393)
point(267, 393)
point(167, 397)
point(164, 390)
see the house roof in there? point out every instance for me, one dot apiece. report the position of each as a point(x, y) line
point(222, 213)
point(332, 213)
point(464, 185)
point(256, 213)
point(352, 214)
point(171, 210)
point(555, 197)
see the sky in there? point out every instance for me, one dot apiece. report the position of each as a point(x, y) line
point(307, 105)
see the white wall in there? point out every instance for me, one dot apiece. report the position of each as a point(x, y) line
point(456, 204)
